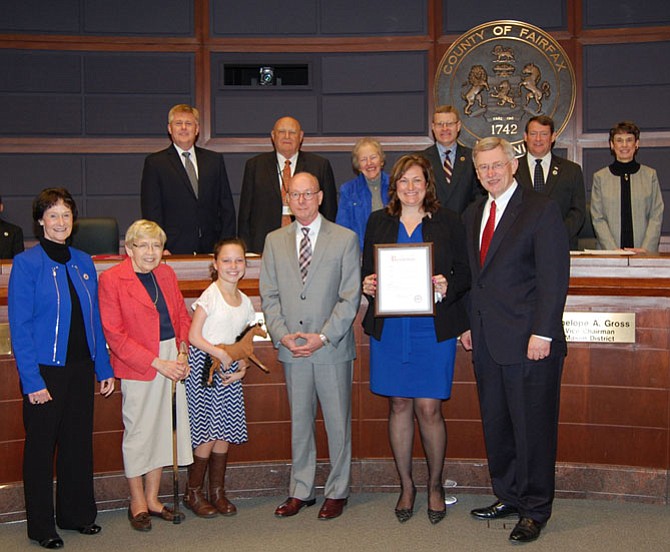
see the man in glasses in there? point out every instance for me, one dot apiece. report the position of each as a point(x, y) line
point(263, 203)
point(520, 264)
point(310, 286)
point(455, 178)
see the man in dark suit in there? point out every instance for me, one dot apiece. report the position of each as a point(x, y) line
point(520, 264)
point(456, 183)
point(185, 189)
point(263, 207)
point(11, 237)
point(561, 180)
point(310, 285)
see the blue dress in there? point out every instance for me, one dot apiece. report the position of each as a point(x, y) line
point(408, 361)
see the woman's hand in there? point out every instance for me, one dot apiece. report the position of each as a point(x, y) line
point(230, 377)
point(40, 397)
point(370, 285)
point(224, 357)
point(171, 369)
point(440, 284)
point(107, 387)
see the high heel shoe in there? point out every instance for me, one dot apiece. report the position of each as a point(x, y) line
point(405, 514)
point(436, 516)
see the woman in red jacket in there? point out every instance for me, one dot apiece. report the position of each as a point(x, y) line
point(144, 319)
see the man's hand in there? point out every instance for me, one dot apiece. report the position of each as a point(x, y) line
point(538, 348)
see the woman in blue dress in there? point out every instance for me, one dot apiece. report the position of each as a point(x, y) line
point(412, 358)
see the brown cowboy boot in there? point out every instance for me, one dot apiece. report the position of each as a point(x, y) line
point(194, 500)
point(217, 476)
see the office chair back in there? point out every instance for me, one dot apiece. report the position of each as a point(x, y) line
point(96, 235)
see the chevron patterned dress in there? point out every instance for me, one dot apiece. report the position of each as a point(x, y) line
point(217, 412)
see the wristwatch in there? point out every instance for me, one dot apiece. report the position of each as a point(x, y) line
point(324, 339)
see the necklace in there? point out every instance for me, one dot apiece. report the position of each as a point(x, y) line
point(155, 287)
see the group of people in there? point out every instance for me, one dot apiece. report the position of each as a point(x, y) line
point(498, 289)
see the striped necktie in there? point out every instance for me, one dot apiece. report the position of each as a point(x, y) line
point(285, 178)
point(305, 257)
point(447, 168)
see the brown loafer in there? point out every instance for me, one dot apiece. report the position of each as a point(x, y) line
point(332, 508)
point(291, 506)
point(140, 522)
point(167, 514)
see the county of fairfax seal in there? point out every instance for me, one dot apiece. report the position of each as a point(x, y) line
point(500, 74)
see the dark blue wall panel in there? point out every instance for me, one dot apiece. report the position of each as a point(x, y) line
point(40, 16)
point(625, 13)
point(122, 94)
point(626, 81)
point(263, 18)
point(144, 17)
point(459, 17)
point(373, 17)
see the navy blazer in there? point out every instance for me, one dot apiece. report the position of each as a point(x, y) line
point(11, 240)
point(261, 201)
point(522, 287)
point(192, 224)
point(445, 231)
point(565, 185)
point(464, 187)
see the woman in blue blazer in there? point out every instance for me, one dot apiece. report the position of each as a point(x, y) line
point(366, 193)
point(58, 345)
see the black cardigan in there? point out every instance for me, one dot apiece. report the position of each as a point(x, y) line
point(445, 230)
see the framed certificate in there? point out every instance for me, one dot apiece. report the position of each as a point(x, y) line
point(404, 279)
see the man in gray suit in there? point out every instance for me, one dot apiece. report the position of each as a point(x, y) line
point(310, 287)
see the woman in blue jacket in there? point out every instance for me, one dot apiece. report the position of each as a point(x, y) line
point(58, 346)
point(366, 193)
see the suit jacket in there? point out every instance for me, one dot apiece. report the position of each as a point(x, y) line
point(522, 287)
point(445, 231)
point(565, 185)
point(192, 225)
point(646, 202)
point(328, 301)
point(464, 187)
point(11, 240)
point(131, 322)
point(261, 201)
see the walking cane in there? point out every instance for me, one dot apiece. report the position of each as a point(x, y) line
point(177, 516)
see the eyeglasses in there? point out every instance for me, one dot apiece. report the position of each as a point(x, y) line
point(404, 182)
point(621, 140)
point(147, 246)
point(308, 196)
point(370, 159)
point(495, 167)
point(445, 124)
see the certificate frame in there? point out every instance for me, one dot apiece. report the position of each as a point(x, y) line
point(404, 279)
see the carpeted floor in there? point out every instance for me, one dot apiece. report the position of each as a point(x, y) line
point(368, 524)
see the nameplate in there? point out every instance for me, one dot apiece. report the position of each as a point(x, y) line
point(599, 327)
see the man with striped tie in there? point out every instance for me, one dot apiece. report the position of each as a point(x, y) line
point(455, 178)
point(310, 286)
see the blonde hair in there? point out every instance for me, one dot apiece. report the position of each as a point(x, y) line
point(183, 108)
point(144, 229)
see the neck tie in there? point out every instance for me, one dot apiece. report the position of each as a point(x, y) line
point(285, 178)
point(447, 168)
point(305, 257)
point(487, 235)
point(190, 171)
point(538, 179)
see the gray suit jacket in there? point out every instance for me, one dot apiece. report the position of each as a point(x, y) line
point(646, 203)
point(328, 301)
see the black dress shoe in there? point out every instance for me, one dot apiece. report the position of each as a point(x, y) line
point(90, 529)
point(526, 530)
point(53, 542)
point(497, 510)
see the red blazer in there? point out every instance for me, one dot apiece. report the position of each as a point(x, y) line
point(130, 319)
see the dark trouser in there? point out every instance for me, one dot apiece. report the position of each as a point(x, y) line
point(519, 407)
point(64, 426)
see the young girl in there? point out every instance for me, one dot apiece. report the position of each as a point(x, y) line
point(216, 412)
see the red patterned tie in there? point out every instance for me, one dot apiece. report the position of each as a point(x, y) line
point(488, 234)
point(285, 178)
